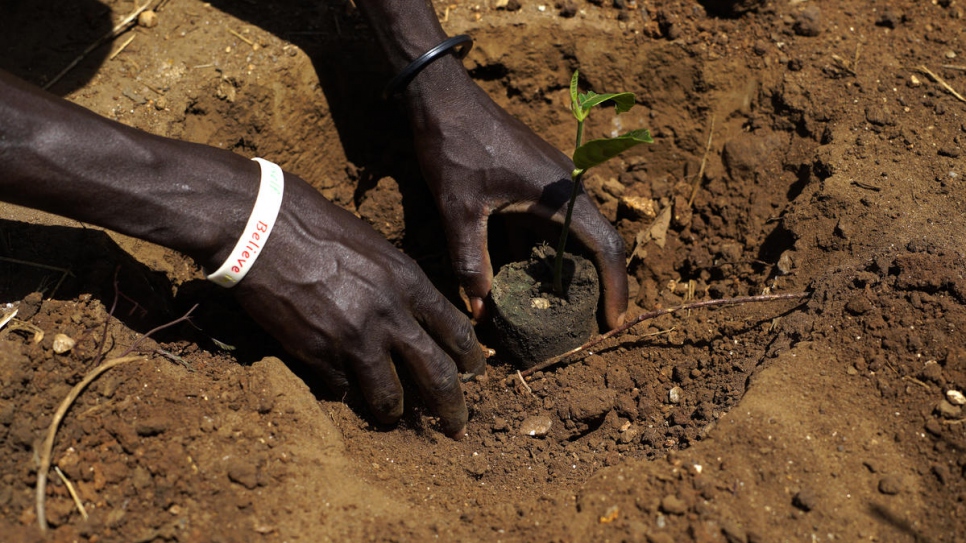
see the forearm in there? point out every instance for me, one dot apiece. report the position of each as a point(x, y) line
point(61, 158)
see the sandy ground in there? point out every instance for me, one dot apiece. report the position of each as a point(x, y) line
point(834, 167)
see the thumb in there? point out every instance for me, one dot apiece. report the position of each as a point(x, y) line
point(471, 262)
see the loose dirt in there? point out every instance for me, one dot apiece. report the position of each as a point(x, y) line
point(835, 166)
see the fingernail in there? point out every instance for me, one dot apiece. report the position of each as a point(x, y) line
point(458, 436)
point(477, 307)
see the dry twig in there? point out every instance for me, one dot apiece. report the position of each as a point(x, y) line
point(48, 445)
point(73, 492)
point(242, 38)
point(657, 313)
point(122, 47)
point(63, 271)
point(704, 162)
point(945, 85)
point(118, 29)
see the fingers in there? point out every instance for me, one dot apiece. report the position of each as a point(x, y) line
point(449, 328)
point(435, 375)
point(607, 247)
point(471, 260)
point(380, 385)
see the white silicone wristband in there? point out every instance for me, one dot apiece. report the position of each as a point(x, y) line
point(259, 227)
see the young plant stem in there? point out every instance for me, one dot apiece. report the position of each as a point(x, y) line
point(575, 176)
point(657, 313)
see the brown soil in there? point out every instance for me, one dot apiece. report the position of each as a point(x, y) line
point(835, 166)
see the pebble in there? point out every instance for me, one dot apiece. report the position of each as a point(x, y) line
point(243, 473)
point(148, 19)
point(808, 22)
point(948, 410)
point(890, 485)
point(805, 499)
point(63, 343)
point(673, 505)
point(536, 426)
point(955, 397)
point(675, 395)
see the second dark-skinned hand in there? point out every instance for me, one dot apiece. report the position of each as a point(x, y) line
point(479, 160)
point(345, 301)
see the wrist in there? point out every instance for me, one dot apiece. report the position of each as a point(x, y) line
point(440, 89)
point(257, 230)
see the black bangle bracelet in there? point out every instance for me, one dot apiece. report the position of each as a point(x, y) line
point(400, 82)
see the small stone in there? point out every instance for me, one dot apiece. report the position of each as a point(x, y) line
point(785, 263)
point(890, 485)
point(675, 395)
point(63, 343)
point(858, 305)
point(914, 81)
point(536, 426)
point(568, 9)
point(637, 207)
point(477, 466)
point(539, 303)
point(941, 472)
point(733, 531)
point(613, 187)
point(889, 19)
point(29, 306)
point(673, 505)
point(151, 426)
point(805, 499)
point(950, 55)
point(955, 397)
point(808, 22)
point(148, 19)
point(932, 371)
point(244, 474)
point(948, 410)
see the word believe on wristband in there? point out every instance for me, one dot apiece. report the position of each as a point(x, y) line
point(259, 227)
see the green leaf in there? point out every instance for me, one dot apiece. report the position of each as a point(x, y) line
point(596, 152)
point(574, 101)
point(623, 101)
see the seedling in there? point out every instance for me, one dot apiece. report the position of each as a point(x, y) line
point(592, 153)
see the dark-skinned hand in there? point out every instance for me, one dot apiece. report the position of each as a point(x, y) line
point(345, 301)
point(479, 160)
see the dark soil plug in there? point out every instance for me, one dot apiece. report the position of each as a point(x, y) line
point(531, 322)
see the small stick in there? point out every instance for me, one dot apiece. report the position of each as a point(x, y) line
point(939, 80)
point(657, 313)
point(525, 385)
point(64, 271)
point(7, 317)
point(242, 38)
point(704, 162)
point(125, 23)
point(917, 381)
point(48, 445)
point(73, 492)
point(954, 67)
point(121, 48)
